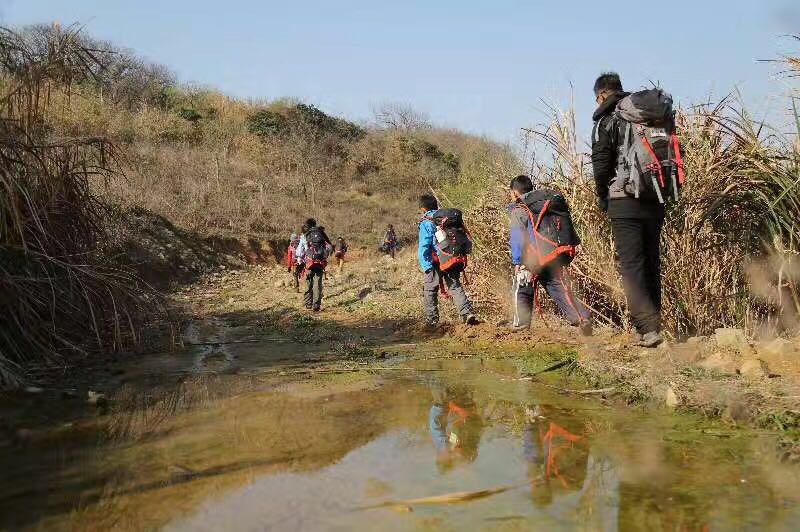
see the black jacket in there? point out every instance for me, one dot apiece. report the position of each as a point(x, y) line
point(605, 147)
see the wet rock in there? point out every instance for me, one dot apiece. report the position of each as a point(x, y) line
point(778, 346)
point(733, 338)
point(737, 411)
point(754, 368)
point(33, 389)
point(719, 363)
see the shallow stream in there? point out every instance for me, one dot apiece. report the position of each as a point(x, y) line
point(457, 444)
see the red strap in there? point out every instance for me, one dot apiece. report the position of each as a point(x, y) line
point(656, 162)
point(678, 158)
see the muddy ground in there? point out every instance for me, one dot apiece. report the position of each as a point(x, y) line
point(119, 436)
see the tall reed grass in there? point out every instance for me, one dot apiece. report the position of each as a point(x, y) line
point(737, 221)
point(59, 295)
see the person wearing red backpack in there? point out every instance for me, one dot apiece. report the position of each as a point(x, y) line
point(440, 277)
point(313, 251)
point(638, 168)
point(543, 242)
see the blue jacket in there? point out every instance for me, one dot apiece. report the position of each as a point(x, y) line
point(427, 234)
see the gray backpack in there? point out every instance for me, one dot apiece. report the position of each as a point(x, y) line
point(649, 164)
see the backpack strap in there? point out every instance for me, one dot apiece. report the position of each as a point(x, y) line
point(656, 164)
point(676, 146)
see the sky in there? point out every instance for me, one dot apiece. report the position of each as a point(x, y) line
point(487, 67)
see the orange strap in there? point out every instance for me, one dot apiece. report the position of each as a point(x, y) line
point(676, 146)
point(656, 162)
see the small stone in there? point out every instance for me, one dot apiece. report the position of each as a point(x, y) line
point(778, 346)
point(277, 284)
point(670, 398)
point(754, 368)
point(733, 338)
point(719, 363)
point(697, 340)
point(33, 389)
point(95, 398)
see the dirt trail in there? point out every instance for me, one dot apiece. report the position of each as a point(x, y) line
point(263, 387)
point(374, 303)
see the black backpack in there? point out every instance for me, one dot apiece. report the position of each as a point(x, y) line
point(452, 240)
point(649, 157)
point(317, 245)
point(554, 237)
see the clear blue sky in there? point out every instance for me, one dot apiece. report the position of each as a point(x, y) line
point(478, 65)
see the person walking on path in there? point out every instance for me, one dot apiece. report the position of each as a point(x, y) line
point(549, 212)
point(339, 252)
point(298, 266)
point(313, 252)
point(633, 197)
point(390, 241)
point(293, 241)
point(436, 279)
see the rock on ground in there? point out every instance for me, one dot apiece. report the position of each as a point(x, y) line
point(754, 368)
point(733, 338)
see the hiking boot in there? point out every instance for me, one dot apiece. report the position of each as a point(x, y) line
point(315, 309)
point(471, 319)
point(585, 328)
point(651, 339)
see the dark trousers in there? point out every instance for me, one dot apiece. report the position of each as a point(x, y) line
point(558, 285)
point(637, 242)
point(313, 295)
point(297, 273)
point(430, 293)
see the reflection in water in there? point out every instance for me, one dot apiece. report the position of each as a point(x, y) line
point(314, 458)
point(455, 426)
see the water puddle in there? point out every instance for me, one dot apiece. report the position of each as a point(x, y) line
point(455, 446)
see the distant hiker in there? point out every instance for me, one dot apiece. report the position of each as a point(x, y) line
point(443, 248)
point(293, 241)
point(389, 241)
point(543, 242)
point(313, 251)
point(638, 167)
point(299, 264)
point(339, 251)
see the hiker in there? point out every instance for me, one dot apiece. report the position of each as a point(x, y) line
point(293, 241)
point(313, 250)
point(443, 248)
point(298, 265)
point(389, 241)
point(637, 166)
point(543, 242)
point(339, 251)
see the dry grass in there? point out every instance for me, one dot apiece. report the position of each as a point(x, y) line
point(58, 294)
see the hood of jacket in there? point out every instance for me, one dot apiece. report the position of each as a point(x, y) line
point(609, 105)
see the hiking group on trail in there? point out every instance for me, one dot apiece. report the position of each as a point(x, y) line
point(637, 167)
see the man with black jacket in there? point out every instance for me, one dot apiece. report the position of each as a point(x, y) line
point(635, 222)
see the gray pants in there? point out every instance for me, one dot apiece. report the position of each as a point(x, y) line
point(313, 295)
point(430, 294)
point(558, 285)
